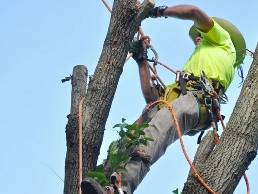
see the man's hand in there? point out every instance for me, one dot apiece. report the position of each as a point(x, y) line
point(139, 49)
point(157, 11)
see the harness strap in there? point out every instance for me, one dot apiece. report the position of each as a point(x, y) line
point(182, 82)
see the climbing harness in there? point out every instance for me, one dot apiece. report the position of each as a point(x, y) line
point(157, 81)
point(212, 101)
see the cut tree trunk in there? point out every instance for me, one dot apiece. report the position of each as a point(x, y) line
point(79, 81)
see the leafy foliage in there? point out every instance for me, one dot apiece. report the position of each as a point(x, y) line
point(176, 191)
point(117, 158)
point(99, 175)
point(132, 135)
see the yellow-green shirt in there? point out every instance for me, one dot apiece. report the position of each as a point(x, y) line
point(215, 56)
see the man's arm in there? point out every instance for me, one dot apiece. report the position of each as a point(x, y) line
point(150, 93)
point(139, 50)
point(189, 12)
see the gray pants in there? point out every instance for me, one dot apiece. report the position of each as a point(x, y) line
point(163, 130)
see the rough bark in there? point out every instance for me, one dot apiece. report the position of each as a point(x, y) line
point(238, 146)
point(79, 81)
point(125, 20)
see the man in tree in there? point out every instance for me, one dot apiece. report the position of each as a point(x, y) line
point(219, 50)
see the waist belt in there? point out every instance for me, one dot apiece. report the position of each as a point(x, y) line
point(186, 77)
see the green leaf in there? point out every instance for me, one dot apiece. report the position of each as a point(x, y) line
point(130, 135)
point(175, 191)
point(121, 169)
point(99, 177)
point(117, 125)
point(140, 131)
point(131, 127)
point(143, 141)
point(148, 138)
point(122, 133)
point(120, 125)
point(100, 168)
point(144, 125)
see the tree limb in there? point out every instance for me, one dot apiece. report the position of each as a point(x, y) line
point(125, 21)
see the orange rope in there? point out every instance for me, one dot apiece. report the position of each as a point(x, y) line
point(80, 143)
point(173, 115)
point(216, 137)
point(120, 183)
point(178, 129)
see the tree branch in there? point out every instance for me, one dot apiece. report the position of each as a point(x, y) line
point(125, 21)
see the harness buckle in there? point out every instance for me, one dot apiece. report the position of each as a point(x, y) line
point(186, 76)
point(206, 85)
point(208, 101)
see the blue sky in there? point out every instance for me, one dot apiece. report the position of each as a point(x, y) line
point(41, 41)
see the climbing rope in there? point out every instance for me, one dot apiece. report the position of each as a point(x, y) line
point(248, 190)
point(107, 6)
point(80, 143)
point(179, 134)
point(120, 190)
point(155, 60)
point(173, 113)
point(140, 31)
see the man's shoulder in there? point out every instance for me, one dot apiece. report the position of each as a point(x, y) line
point(217, 35)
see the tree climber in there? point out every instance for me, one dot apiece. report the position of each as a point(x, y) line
point(220, 48)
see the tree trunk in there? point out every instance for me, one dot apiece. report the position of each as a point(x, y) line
point(79, 81)
point(238, 145)
point(125, 20)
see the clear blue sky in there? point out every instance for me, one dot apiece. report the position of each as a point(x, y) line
point(40, 43)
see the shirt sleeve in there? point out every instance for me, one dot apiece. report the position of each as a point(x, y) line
point(216, 35)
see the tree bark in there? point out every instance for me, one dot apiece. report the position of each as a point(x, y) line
point(125, 21)
point(79, 81)
point(238, 145)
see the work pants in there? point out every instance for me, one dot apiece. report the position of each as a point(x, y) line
point(163, 130)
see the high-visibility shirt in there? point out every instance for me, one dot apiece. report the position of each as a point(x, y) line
point(215, 56)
